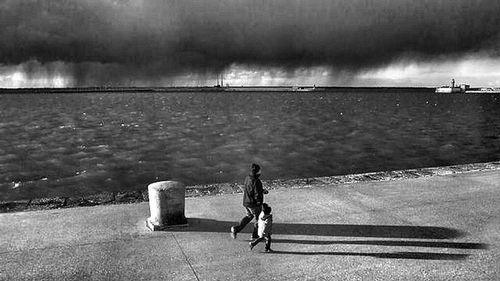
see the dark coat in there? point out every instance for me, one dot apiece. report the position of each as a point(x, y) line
point(253, 193)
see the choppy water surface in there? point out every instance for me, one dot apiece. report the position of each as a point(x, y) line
point(72, 144)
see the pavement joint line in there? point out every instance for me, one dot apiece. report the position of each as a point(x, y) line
point(185, 256)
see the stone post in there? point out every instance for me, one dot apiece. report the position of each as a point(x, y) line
point(166, 203)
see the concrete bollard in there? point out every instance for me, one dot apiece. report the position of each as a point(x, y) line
point(166, 203)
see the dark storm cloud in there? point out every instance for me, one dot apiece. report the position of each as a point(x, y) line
point(116, 40)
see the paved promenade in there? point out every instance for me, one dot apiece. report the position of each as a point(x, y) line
point(442, 227)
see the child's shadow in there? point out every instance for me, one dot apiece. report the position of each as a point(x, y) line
point(395, 255)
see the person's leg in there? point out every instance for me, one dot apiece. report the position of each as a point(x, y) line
point(244, 221)
point(255, 242)
point(268, 243)
point(256, 211)
point(258, 240)
point(255, 230)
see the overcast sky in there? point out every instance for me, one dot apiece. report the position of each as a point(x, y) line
point(60, 43)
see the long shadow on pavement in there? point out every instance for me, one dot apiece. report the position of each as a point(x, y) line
point(345, 230)
point(352, 230)
point(396, 255)
point(397, 243)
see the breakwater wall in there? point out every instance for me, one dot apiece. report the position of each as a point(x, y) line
point(106, 198)
point(207, 89)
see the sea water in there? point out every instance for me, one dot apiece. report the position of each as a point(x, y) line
point(80, 143)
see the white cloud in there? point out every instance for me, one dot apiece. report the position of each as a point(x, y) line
point(19, 79)
point(478, 71)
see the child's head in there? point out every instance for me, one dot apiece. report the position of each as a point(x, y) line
point(266, 209)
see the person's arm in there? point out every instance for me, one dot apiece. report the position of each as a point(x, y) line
point(246, 183)
point(259, 194)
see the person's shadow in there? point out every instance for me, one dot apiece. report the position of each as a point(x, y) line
point(394, 232)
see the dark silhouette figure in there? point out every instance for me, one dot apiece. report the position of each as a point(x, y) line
point(253, 196)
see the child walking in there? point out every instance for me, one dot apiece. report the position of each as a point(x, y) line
point(265, 228)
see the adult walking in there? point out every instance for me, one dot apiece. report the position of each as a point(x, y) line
point(253, 197)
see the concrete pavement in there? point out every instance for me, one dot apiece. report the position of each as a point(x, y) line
point(444, 227)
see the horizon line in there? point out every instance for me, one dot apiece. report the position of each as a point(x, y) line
point(217, 87)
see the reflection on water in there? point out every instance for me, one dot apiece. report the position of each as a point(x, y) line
point(69, 144)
